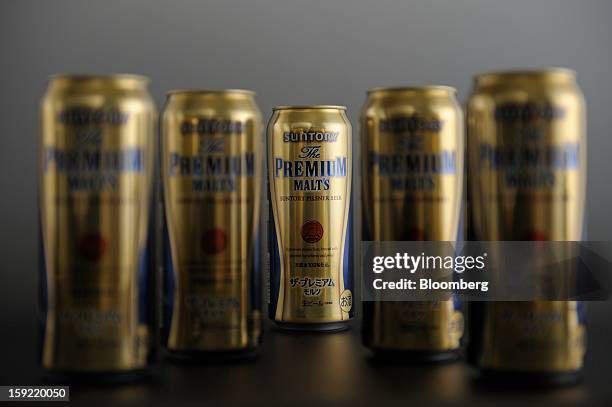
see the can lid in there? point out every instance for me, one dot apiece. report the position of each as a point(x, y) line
point(210, 92)
point(119, 78)
point(419, 89)
point(555, 73)
point(309, 107)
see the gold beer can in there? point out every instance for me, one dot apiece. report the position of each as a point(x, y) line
point(309, 178)
point(212, 171)
point(412, 142)
point(527, 174)
point(98, 291)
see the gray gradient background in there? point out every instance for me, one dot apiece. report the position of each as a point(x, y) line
point(289, 52)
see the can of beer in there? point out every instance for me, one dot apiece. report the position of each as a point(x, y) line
point(310, 248)
point(527, 174)
point(412, 187)
point(212, 172)
point(96, 156)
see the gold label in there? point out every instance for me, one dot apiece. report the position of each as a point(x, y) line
point(310, 187)
point(212, 169)
point(412, 189)
point(94, 204)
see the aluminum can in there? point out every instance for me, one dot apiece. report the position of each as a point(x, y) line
point(412, 142)
point(212, 171)
point(309, 178)
point(96, 157)
point(527, 174)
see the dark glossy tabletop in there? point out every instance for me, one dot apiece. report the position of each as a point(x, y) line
point(314, 368)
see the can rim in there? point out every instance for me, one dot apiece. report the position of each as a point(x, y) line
point(93, 77)
point(209, 91)
point(420, 88)
point(559, 72)
point(309, 107)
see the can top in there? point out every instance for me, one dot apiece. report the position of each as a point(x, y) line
point(413, 89)
point(309, 107)
point(202, 92)
point(123, 79)
point(548, 74)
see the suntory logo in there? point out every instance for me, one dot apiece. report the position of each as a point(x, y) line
point(409, 124)
point(301, 135)
point(81, 116)
point(526, 112)
point(202, 126)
